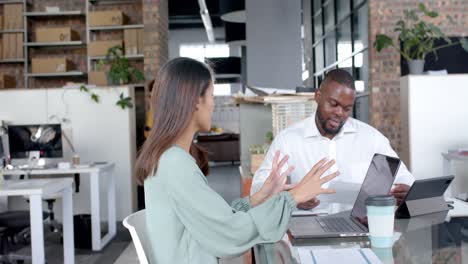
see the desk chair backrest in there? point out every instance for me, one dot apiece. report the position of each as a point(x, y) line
point(136, 225)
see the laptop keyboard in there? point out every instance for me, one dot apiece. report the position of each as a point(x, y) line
point(336, 224)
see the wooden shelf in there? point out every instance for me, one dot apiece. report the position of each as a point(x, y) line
point(116, 27)
point(11, 2)
point(57, 74)
point(49, 14)
point(51, 44)
point(130, 57)
point(11, 31)
point(12, 61)
point(113, 2)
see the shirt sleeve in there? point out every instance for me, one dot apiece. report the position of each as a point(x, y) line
point(241, 204)
point(403, 175)
point(264, 170)
point(218, 228)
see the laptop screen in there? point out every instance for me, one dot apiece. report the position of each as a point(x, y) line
point(378, 181)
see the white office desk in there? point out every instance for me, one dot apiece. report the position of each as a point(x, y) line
point(35, 189)
point(95, 172)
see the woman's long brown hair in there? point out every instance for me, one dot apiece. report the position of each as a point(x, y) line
point(176, 91)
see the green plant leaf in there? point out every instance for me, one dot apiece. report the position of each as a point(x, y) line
point(100, 64)
point(269, 136)
point(464, 44)
point(411, 15)
point(124, 102)
point(382, 41)
point(422, 7)
point(84, 89)
point(95, 97)
point(428, 13)
point(139, 75)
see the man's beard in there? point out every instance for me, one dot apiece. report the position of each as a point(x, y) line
point(323, 124)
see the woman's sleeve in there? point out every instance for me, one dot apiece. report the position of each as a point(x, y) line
point(218, 228)
point(241, 204)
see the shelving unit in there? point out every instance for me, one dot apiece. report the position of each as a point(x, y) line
point(90, 31)
point(66, 44)
point(31, 16)
point(23, 31)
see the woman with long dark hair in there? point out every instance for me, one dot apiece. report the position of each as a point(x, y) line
point(187, 221)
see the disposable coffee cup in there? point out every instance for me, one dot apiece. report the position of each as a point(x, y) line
point(381, 219)
point(76, 159)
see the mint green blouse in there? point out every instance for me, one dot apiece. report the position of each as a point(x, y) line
point(188, 222)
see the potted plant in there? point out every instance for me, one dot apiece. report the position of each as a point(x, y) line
point(258, 152)
point(417, 38)
point(121, 71)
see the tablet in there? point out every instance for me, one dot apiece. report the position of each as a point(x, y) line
point(421, 194)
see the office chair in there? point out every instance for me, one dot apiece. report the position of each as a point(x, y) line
point(15, 229)
point(54, 225)
point(136, 225)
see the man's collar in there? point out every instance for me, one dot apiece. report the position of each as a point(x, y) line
point(311, 129)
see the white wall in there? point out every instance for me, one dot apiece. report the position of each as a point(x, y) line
point(434, 119)
point(100, 132)
point(274, 52)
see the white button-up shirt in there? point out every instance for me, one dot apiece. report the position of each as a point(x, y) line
point(353, 149)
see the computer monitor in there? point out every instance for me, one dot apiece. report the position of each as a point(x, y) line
point(45, 139)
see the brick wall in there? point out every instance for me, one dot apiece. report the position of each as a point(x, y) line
point(156, 20)
point(385, 66)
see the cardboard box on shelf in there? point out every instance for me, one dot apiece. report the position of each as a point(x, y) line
point(7, 81)
point(107, 18)
point(57, 34)
point(13, 16)
point(131, 41)
point(19, 46)
point(11, 45)
point(98, 78)
point(1, 22)
point(5, 45)
point(99, 48)
point(6, 17)
point(141, 44)
point(18, 16)
point(1, 50)
point(50, 65)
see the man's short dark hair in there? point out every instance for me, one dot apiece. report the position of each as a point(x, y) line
point(340, 76)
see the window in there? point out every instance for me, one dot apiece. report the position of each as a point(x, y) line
point(340, 39)
point(201, 51)
point(222, 89)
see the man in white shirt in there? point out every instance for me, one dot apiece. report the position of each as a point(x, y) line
point(330, 132)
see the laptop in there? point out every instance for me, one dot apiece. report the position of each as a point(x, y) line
point(378, 181)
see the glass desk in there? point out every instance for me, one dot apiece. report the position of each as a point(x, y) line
point(434, 238)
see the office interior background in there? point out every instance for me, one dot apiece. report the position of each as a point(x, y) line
point(46, 78)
